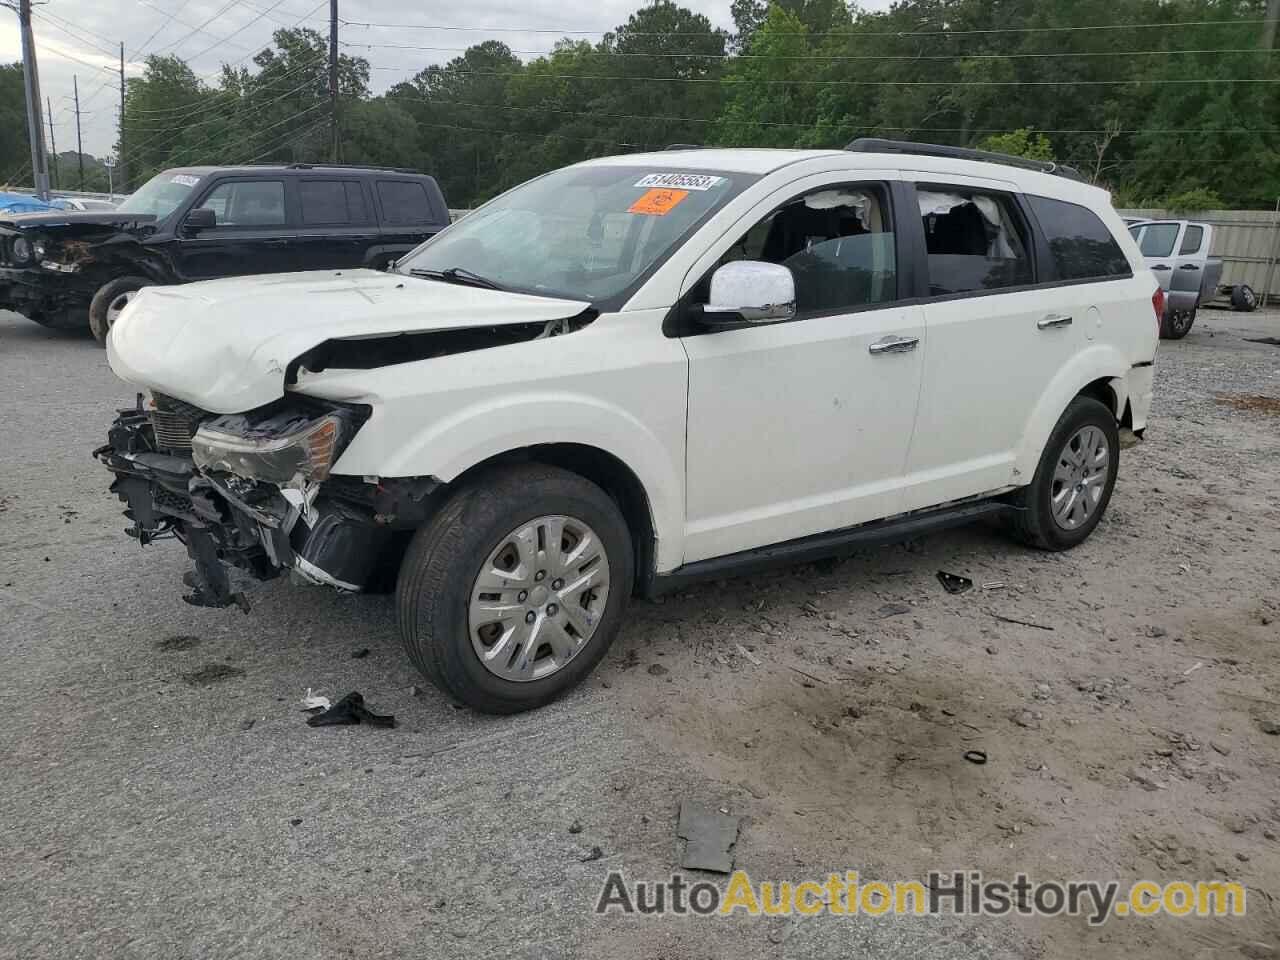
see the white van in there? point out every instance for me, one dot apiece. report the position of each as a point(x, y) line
point(639, 371)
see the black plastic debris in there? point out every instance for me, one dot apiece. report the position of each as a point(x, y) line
point(709, 838)
point(976, 756)
point(953, 582)
point(348, 712)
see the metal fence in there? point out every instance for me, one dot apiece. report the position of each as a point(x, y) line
point(1247, 241)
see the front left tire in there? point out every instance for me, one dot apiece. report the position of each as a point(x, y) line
point(516, 589)
point(109, 301)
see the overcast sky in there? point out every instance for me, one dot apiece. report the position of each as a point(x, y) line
point(81, 38)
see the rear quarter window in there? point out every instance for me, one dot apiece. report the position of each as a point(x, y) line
point(1080, 243)
point(405, 203)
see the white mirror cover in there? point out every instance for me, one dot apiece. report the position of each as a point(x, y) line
point(754, 289)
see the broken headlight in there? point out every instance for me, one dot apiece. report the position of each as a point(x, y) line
point(21, 250)
point(275, 448)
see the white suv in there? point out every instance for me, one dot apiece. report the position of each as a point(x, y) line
point(639, 371)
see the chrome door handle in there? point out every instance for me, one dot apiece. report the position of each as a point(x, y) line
point(1053, 320)
point(893, 344)
point(1189, 266)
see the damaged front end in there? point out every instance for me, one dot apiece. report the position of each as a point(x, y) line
point(51, 264)
point(254, 491)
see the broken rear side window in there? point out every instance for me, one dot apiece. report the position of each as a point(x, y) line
point(975, 239)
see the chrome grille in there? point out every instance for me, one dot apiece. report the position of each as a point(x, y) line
point(175, 422)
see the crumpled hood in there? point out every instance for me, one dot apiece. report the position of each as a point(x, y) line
point(77, 221)
point(225, 345)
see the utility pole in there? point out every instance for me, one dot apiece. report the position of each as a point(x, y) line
point(336, 150)
point(122, 158)
point(31, 78)
point(1269, 27)
point(75, 86)
point(53, 142)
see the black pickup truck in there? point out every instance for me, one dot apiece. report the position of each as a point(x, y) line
point(77, 271)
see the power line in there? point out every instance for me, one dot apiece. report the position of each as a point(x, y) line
point(852, 34)
point(57, 24)
point(665, 118)
point(172, 114)
point(833, 57)
point(855, 83)
point(235, 34)
point(172, 18)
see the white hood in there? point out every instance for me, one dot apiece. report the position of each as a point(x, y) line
point(224, 345)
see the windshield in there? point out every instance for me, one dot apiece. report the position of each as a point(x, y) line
point(1156, 239)
point(160, 195)
point(587, 233)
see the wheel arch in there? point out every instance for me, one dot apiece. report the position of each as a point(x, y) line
point(606, 471)
point(1098, 372)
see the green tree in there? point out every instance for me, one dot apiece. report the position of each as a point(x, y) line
point(15, 148)
point(1020, 143)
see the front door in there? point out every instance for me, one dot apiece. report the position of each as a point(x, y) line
point(801, 427)
point(251, 233)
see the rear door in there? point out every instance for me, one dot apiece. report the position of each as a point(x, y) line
point(251, 233)
point(995, 338)
point(337, 226)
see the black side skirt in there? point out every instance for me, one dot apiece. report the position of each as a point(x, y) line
point(823, 545)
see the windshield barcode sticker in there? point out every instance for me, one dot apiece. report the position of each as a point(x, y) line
point(681, 181)
point(185, 179)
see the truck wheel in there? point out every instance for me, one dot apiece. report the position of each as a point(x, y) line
point(516, 588)
point(1073, 481)
point(107, 303)
point(1243, 298)
point(1177, 324)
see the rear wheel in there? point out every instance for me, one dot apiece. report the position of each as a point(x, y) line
point(516, 589)
point(1177, 324)
point(1073, 481)
point(109, 302)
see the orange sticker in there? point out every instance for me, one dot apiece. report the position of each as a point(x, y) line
point(658, 202)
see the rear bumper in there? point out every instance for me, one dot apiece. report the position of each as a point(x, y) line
point(1140, 382)
point(324, 535)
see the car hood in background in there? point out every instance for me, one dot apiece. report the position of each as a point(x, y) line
point(112, 219)
point(226, 345)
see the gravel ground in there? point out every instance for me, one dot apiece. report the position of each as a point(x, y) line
point(153, 807)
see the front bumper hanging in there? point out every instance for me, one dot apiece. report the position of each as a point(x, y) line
point(332, 534)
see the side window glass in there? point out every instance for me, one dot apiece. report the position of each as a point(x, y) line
point(1191, 239)
point(1158, 239)
point(247, 203)
point(975, 240)
point(331, 202)
point(838, 243)
point(404, 202)
point(1082, 246)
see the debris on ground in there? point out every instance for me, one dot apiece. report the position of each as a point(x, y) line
point(976, 756)
point(313, 701)
point(1021, 623)
point(212, 673)
point(891, 610)
point(1269, 727)
point(360, 654)
point(349, 711)
point(710, 838)
point(953, 582)
point(595, 854)
point(658, 670)
point(746, 654)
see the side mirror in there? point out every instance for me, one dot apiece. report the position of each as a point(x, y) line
point(201, 218)
point(750, 291)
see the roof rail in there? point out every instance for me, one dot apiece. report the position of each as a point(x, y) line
point(683, 146)
point(876, 145)
point(350, 166)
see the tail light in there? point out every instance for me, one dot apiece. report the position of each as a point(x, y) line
point(1157, 304)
